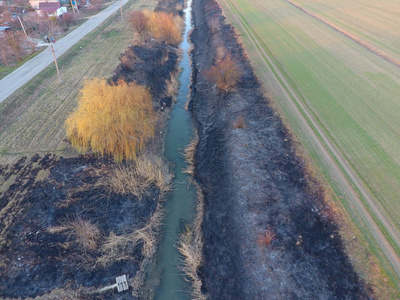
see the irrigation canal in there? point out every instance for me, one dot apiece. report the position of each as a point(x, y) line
point(181, 205)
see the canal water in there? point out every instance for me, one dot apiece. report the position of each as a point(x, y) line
point(181, 205)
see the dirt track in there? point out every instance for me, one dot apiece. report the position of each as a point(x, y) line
point(341, 171)
point(253, 182)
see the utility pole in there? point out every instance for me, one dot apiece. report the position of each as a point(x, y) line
point(74, 6)
point(23, 28)
point(120, 7)
point(73, 9)
point(55, 61)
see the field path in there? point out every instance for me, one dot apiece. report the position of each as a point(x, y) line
point(34, 66)
point(344, 174)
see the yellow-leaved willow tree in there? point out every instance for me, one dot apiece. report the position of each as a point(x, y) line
point(112, 119)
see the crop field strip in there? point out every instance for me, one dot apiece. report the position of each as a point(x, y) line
point(357, 88)
point(375, 22)
point(35, 117)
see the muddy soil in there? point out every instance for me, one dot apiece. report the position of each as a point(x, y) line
point(255, 183)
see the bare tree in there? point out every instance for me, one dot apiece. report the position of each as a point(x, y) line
point(14, 42)
point(31, 42)
point(5, 52)
point(67, 19)
point(139, 21)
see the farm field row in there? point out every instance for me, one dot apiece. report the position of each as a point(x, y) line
point(32, 119)
point(347, 95)
point(375, 22)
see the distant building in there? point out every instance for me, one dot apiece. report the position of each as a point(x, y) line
point(35, 3)
point(49, 8)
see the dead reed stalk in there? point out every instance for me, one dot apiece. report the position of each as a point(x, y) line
point(191, 249)
point(81, 231)
point(121, 247)
point(136, 177)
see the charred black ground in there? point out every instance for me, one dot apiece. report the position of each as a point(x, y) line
point(33, 259)
point(253, 181)
point(149, 64)
point(42, 192)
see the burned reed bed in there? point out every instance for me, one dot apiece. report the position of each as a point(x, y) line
point(268, 232)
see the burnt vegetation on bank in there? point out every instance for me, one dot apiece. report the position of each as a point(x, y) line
point(71, 225)
point(268, 232)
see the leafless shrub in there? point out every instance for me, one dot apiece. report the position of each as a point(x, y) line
point(138, 20)
point(225, 73)
point(239, 122)
point(266, 238)
point(213, 23)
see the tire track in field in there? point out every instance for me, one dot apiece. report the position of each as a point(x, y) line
point(359, 41)
point(337, 163)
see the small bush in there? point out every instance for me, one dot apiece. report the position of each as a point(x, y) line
point(112, 119)
point(225, 73)
point(239, 123)
point(128, 59)
point(213, 23)
point(266, 238)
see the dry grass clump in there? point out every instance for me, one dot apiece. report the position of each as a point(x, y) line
point(266, 238)
point(189, 154)
point(172, 86)
point(239, 123)
point(190, 247)
point(136, 177)
point(225, 73)
point(162, 26)
point(120, 247)
point(128, 59)
point(81, 231)
point(112, 119)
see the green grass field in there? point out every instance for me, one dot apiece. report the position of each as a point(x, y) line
point(32, 119)
point(350, 93)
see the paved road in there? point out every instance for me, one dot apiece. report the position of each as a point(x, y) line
point(333, 158)
point(34, 66)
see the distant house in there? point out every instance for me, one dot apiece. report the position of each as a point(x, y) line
point(49, 8)
point(35, 3)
